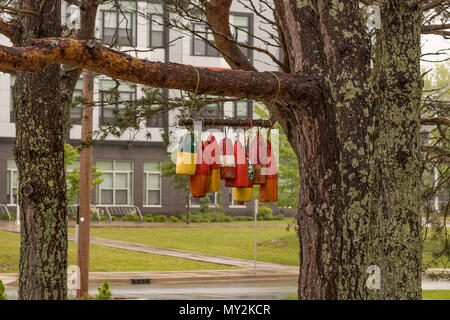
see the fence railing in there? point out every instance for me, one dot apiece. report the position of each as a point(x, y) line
point(109, 210)
point(4, 208)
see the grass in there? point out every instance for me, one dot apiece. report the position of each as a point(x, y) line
point(105, 259)
point(426, 295)
point(275, 244)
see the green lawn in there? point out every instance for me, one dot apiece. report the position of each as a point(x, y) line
point(426, 295)
point(275, 244)
point(104, 259)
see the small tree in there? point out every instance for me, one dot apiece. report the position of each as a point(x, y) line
point(103, 292)
point(3, 295)
point(73, 177)
point(179, 182)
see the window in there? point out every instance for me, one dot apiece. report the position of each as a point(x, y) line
point(119, 27)
point(158, 119)
point(156, 25)
point(241, 30)
point(116, 188)
point(12, 114)
point(152, 184)
point(211, 111)
point(111, 111)
point(77, 108)
point(199, 46)
point(242, 109)
point(12, 178)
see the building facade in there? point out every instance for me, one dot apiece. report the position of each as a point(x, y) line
point(131, 170)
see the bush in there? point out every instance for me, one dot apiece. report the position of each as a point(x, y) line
point(113, 218)
point(103, 292)
point(182, 216)
point(204, 204)
point(195, 219)
point(4, 216)
point(279, 217)
point(264, 213)
point(148, 218)
point(174, 219)
point(160, 218)
point(3, 296)
point(228, 219)
point(242, 218)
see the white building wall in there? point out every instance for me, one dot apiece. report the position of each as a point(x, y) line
point(179, 51)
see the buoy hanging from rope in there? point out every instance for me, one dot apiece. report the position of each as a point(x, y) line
point(212, 156)
point(187, 156)
point(268, 192)
point(199, 183)
point(228, 160)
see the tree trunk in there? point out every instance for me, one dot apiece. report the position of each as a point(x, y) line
point(39, 154)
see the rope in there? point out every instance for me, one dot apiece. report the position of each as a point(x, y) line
point(279, 83)
point(198, 84)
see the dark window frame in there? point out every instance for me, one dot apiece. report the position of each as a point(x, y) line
point(165, 32)
point(250, 17)
point(160, 119)
point(72, 119)
point(209, 51)
point(133, 27)
point(249, 109)
point(102, 105)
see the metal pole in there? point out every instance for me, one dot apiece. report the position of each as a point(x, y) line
point(85, 183)
point(256, 220)
point(18, 214)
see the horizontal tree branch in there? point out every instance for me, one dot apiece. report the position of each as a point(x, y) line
point(436, 121)
point(42, 53)
point(17, 10)
point(432, 4)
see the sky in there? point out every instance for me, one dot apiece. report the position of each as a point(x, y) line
point(433, 43)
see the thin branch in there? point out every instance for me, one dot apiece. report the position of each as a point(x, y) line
point(17, 10)
point(433, 4)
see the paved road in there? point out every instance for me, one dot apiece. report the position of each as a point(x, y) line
point(265, 290)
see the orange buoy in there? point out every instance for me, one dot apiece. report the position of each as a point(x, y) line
point(268, 192)
point(227, 159)
point(199, 183)
point(258, 158)
point(241, 178)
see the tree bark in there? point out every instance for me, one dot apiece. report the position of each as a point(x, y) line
point(39, 154)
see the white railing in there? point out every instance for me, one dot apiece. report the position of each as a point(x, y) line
point(6, 210)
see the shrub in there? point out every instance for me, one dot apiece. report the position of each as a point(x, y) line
point(3, 295)
point(160, 218)
point(264, 213)
point(103, 292)
point(182, 216)
point(204, 204)
point(279, 217)
point(4, 216)
point(148, 218)
point(174, 219)
point(113, 218)
point(228, 219)
point(195, 219)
